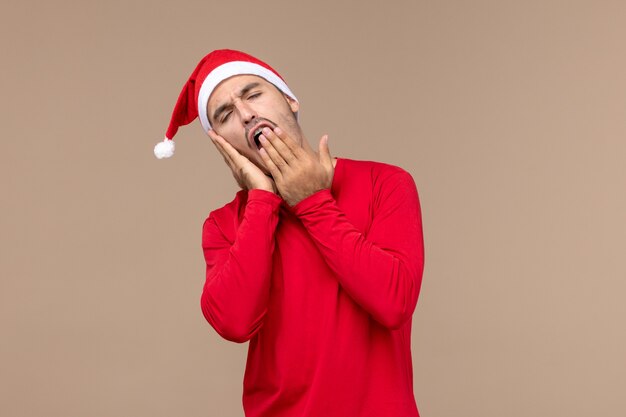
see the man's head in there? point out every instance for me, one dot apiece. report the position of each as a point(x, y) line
point(218, 78)
point(240, 106)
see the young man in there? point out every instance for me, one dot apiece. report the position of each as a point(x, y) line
point(317, 261)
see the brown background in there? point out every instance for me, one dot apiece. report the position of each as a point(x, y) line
point(509, 115)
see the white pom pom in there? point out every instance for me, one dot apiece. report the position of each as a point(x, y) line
point(164, 149)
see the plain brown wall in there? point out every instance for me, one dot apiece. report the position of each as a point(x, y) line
point(511, 117)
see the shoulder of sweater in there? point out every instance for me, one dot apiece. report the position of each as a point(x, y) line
point(230, 209)
point(376, 170)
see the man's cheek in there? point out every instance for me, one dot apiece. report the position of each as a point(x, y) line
point(230, 138)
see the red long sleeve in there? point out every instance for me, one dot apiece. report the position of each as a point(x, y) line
point(237, 285)
point(324, 291)
point(380, 270)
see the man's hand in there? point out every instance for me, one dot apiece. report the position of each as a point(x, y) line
point(248, 175)
point(298, 171)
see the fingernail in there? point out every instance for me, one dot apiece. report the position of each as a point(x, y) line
point(266, 130)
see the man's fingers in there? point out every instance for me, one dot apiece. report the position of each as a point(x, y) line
point(273, 153)
point(214, 136)
point(233, 154)
point(289, 143)
point(225, 146)
point(271, 166)
point(218, 142)
point(280, 146)
point(324, 152)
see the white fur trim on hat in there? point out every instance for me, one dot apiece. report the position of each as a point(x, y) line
point(228, 70)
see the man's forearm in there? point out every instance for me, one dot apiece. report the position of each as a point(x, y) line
point(236, 291)
point(383, 271)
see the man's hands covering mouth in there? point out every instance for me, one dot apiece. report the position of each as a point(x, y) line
point(247, 175)
point(297, 171)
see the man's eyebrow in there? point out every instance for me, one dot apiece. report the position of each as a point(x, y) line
point(247, 88)
point(243, 92)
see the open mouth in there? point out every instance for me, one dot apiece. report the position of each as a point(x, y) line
point(256, 135)
point(257, 130)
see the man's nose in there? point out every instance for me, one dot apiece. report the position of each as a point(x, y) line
point(246, 112)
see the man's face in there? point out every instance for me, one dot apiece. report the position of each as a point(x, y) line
point(239, 106)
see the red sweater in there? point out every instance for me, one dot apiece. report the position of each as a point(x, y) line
point(324, 291)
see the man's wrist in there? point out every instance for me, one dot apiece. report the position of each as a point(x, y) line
point(263, 188)
point(311, 199)
point(264, 195)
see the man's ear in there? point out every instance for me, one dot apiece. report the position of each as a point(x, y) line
point(293, 104)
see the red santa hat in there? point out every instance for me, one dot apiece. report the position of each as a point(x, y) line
point(210, 71)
